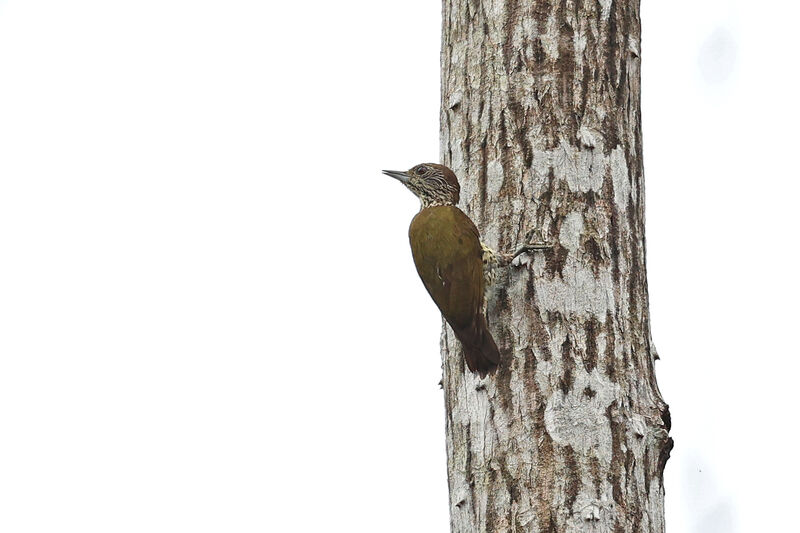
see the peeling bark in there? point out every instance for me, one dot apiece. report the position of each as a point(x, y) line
point(540, 119)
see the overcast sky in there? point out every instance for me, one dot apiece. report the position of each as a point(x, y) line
point(209, 316)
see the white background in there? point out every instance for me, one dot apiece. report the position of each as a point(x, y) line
point(209, 317)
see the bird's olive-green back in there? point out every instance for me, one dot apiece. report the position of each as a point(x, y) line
point(447, 252)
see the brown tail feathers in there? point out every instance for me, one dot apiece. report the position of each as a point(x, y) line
point(480, 351)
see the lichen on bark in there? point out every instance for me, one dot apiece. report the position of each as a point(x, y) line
point(541, 122)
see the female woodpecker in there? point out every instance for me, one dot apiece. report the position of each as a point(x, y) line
point(455, 267)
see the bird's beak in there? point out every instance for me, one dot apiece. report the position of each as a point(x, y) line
point(402, 177)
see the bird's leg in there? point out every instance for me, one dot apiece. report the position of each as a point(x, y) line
point(492, 259)
point(527, 249)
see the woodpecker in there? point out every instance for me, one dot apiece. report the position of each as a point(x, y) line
point(456, 268)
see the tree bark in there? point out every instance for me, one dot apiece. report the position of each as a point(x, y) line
point(540, 119)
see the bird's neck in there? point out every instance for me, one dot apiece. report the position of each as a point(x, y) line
point(433, 202)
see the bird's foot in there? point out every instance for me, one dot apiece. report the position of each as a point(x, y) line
point(531, 247)
point(534, 244)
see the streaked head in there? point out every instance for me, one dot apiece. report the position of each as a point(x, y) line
point(432, 183)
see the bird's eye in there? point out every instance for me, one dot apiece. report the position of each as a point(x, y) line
point(422, 169)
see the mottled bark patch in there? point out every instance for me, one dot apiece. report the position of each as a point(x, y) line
point(596, 468)
point(662, 458)
point(556, 259)
point(568, 362)
point(544, 483)
point(592, 250)
point(610, 353)
point(666, 418)
point(591, 331)
point(617, 470)
point(572, 477)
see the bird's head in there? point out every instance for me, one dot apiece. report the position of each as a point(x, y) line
point(433, 184)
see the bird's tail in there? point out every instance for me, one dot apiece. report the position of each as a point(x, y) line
point(480, 350)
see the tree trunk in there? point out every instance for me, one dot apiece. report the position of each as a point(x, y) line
point(541, 122)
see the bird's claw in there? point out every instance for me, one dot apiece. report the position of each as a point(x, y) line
point(532, 247)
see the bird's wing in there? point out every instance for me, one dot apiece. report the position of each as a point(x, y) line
point(447, 253)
